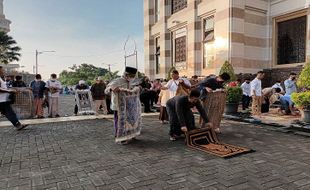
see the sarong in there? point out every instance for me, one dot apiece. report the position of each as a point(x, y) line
point(128, 123)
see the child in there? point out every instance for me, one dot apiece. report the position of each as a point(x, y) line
point(162, 100)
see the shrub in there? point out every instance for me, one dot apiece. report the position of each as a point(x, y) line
point(304, 77)
point(301, 99)
point(227, 68)
point(234, 94)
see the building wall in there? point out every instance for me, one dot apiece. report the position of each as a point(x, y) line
point(249, 37)
point(244, 32)
point(191, 19)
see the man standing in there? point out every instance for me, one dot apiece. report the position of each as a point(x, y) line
point(53, 87)
point(5, 105)
point(181, 117)
point(175, 83)
point(125, 102)
point(38, 88)
point(256, 93)
point(246, 97)
point(19, 83)
point(97, 92)
point(290, 84)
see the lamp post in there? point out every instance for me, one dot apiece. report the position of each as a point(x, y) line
point(37, 54)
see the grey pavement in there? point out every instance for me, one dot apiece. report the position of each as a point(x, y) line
point(83, 155)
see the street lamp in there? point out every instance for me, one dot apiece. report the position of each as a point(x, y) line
point(37, 54)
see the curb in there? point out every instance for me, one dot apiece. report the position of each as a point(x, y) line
point(65, 119)
point(289, 128)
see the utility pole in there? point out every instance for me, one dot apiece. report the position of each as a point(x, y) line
point(37, 55)
point(36, 67)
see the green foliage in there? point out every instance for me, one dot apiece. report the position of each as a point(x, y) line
point(86, 72)
point(304, 78)
point(301, 99)
point(234, 94)
point(169, 73)
point(227, 68)
point(140, 75)
point(9, 51)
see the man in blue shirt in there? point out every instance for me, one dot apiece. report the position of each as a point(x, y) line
point(287, 106)
point(290, 84)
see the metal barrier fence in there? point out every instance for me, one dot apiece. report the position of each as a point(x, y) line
point(23, 105)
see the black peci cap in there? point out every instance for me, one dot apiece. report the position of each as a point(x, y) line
point(131, 70)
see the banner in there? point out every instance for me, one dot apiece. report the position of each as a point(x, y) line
point(84, 102)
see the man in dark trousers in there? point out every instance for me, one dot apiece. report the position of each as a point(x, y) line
point(181, 117)
point(5, 104)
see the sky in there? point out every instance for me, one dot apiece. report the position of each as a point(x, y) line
point(79, 31)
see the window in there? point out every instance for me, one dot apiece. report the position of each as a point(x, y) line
point(178, 5)
point(157, 55)
point(208, 43)
point(208, 29)
point(180, 49)
point(157, 10)
point(291, 41)
point(208, 55)
point(179, 44)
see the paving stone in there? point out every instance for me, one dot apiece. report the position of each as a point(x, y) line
point(63, 185)
point(83, 155)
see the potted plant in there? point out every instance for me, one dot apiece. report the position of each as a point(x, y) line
point(233, 97)
point(234, 92)
point(302, 99)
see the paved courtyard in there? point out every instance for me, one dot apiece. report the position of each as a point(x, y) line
point(83, 155)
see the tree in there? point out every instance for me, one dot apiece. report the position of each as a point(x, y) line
point(9, 51)
point(86, 72)
point(169, 73)
point(227, 68)
point(304, 77)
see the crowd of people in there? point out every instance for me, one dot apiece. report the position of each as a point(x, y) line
point(263, 98)
point(176, 99)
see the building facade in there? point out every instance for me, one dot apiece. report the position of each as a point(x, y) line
point(198, 36)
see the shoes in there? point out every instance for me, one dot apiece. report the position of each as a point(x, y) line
point(217, 130)
point(40, 117)
point(173, 138)
point(20, 127)
point(57, 115)
point(124, 142)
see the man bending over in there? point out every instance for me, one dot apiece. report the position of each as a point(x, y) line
point(181, 117)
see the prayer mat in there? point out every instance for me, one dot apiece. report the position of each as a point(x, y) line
point(214, 106)
point(84, 102)
point(128, 123)
point(206, 140)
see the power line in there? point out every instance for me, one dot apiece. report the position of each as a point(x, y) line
point(78, 56)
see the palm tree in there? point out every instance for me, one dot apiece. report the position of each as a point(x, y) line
point(9, 51)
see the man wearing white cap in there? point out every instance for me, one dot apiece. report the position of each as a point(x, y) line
point(53, 87)
point(98, 95)
point(81, 86)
